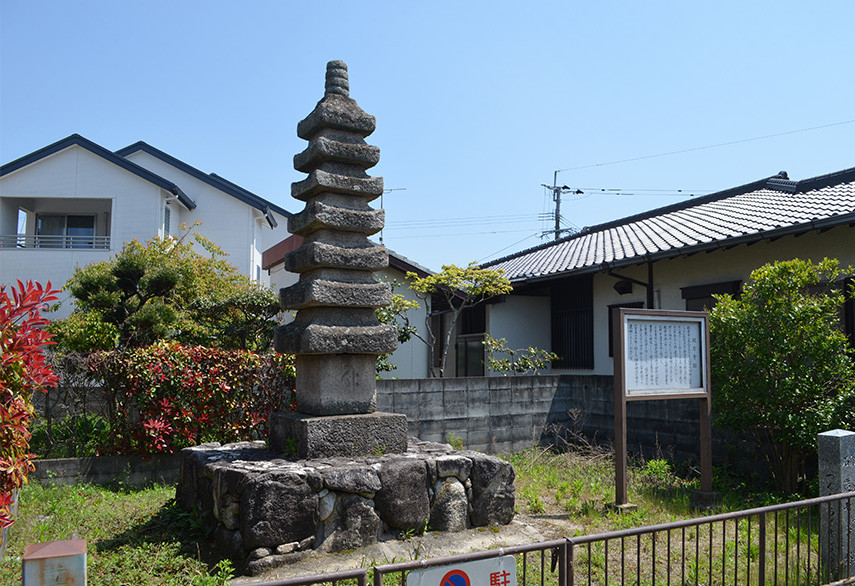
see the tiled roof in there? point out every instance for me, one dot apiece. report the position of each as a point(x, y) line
point(768, 208)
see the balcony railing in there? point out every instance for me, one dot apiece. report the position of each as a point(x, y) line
point(53, 242)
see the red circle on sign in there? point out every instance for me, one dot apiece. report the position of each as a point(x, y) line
point(455, 578)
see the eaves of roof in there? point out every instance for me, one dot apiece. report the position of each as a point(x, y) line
point(670, 239)
point(211, 179)
point(96, 149)
point(795, 230)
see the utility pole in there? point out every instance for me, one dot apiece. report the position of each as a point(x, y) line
point(556, 197)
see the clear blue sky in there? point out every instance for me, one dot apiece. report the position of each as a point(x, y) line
point(477, 103)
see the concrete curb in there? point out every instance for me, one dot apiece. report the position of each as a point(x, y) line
point(135, 471)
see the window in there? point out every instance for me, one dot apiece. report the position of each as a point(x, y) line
point(470, 355)
point(630, 305)
point(167, 213)
point(700, 297)
point(61, 231)
point(573, 322)
point(470, 341)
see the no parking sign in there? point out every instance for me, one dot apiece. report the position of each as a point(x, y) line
point(500, 571)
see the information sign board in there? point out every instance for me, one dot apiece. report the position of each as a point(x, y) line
point(661, 354)
point(664, 354)
point(500, 571)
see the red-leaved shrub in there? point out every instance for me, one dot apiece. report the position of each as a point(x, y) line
point(23, 370)
point(168, 396)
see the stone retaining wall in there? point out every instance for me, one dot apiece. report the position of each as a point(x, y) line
point(266, 509)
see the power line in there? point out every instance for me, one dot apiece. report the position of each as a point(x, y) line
point(710, 146)
point(507, 247)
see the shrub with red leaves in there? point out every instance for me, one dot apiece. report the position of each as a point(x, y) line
point(168, 396)
point(23, 370)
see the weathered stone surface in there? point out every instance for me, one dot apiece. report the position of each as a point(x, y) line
point(336, 112)
point(358, 524)
point(259, 566)
point(314, 255)
point(319, 181)
point(259, 553)
point(229, 543)
point(318, 216)
point(334, 293)
point(323, 149)
point(450, 509)
point(326, 504)
point(453, 465)
point(287, 548)
point(492, 490)
point(298, 338)
point(342, 435)
point(277, 508)
point(356, 479)
point(335, 385)
point(403, 502)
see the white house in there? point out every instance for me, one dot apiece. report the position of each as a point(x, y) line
point(75, 202)
point(410, 358)
point(674, 257)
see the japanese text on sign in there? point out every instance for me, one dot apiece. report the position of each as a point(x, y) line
point(499, 571)
point(663, 356)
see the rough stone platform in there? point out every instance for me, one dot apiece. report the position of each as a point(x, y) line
point(267, 510)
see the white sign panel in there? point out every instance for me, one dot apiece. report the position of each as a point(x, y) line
point(663, 355)
point(500, 571)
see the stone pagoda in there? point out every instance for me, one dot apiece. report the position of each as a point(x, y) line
point(336, 336)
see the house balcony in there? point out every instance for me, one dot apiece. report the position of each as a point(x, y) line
point(55, 223)
point(54, 241)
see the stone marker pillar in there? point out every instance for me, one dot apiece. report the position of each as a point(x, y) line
point(836, 475)
point(336, 336)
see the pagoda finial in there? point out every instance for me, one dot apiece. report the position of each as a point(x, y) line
point(337, 82)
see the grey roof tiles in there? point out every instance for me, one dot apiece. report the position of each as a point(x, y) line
point(763, 209)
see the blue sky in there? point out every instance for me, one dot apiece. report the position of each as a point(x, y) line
point(477, 103)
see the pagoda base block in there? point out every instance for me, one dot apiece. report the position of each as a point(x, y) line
point(310, 436)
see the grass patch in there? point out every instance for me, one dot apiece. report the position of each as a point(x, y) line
point(134, 536)
point(142, 537)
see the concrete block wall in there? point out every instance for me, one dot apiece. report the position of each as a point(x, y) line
point(507, 414)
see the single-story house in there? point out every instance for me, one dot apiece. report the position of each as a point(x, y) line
point(75, 202)
point(675, 257)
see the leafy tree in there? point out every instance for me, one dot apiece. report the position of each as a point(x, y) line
point(396, 314)
point(516, 361)
point(165, 289)
point(781, 368)
point(461, 288)
point(23, 371)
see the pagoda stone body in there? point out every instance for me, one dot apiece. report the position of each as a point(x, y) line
point(336, 336)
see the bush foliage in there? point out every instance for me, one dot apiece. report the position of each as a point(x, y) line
point(166, 289)
point(167, 396)
point(781, 367)
point(23, 371)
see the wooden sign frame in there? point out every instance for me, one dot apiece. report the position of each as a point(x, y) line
point(661, 354)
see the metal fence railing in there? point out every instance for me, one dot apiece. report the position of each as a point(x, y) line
point(805, 542)
point(53, 241)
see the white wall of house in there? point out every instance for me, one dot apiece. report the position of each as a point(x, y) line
point(411, 357)
point(669, 276)
point(236, 227)
point(513, 319)
point(75, 181)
